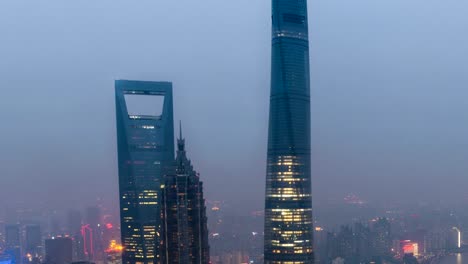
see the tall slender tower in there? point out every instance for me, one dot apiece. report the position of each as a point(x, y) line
point(145, 140)
point(288, 202)
point(184, 222)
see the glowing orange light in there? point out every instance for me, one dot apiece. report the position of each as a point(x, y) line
point(408, 248)
point(114, 247)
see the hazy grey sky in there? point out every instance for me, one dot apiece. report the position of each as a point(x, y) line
point(389, 94)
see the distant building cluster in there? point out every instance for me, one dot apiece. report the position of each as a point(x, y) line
point(361, 243)
point(50, 241)
point(235, 238)
point(387, 240)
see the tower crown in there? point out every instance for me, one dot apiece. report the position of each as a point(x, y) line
point(180, 140)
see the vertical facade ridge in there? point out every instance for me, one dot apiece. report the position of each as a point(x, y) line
point(288, 198)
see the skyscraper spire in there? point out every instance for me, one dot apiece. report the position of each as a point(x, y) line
point(180, 129)
point(180, 141)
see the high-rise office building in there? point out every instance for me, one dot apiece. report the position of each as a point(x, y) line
point(33, 241)
point(382, 237)
point(58, 250)
point(75, 223)
point(93, 222)
point(13, 242)
point(184, 221)
point(288, 202)
point(79, 247)
point(145, 135)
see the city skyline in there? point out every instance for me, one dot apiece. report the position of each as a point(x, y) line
point(371, 114)
point(372, 123)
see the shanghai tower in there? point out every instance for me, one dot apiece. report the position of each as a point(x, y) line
point(288, 201)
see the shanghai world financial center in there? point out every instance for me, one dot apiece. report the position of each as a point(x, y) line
point(146, 150)
point(145, 147)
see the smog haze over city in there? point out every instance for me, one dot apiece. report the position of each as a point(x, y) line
point(387, 80)
point(388, 97)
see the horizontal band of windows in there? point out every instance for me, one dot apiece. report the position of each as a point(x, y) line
point(294, 18)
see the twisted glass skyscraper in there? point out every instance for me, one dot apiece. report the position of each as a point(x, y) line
point(288, 202)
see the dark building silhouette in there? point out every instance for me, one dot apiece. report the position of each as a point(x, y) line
point(58, 250)
point(353, 245)
point(78, 247)
point(410, 259)
point(362, 240)
point(93, 223)
point(145, 149)
point(288, 202)
point(33, 240)
point(74, 225)
point(346, 249)
point(381, 237)
point(74, 222)
point(185, 232)
point(13, 242)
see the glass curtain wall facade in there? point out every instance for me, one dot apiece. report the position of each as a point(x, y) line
point(145, 149)
point(288, 202)
point(185, 232)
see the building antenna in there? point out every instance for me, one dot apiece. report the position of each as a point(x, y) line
point(180, 129)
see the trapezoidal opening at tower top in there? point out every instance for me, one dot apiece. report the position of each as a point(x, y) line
point(144, 105)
